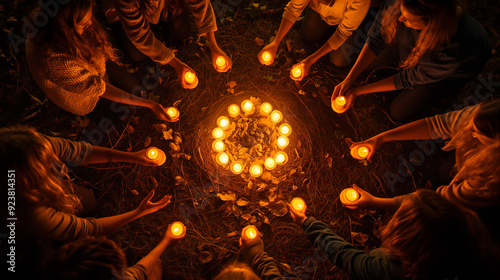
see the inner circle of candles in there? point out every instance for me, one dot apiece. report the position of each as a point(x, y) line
point(276, 116)
point(266, 108)
point(218, 133)
point(247, 106)
point(351, 194)
point(153, 153)
point(363, 151)
point(251, 232)
point(296, 72)
point(177, 229)
point(281, 158)
point(218, 146)
point(340, 101)
point(236, 167)
point(282, 142)
point(266, 56)
point(220, 62)
point(223, 122)
point(222, 158)
point(270, 163)
point(285, 129)
point(189, 77)
point(298, 204)
point(233, 110)
point(173, 112)
point(255, 170)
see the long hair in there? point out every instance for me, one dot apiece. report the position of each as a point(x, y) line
point(59, 35)
point(40, 174)
point(172, 7)
point(89, 258)
point(441, 18)
point(480, 162)
point(437, 239)
point(237, 271)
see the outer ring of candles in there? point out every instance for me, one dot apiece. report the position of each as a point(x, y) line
point(298, 204)
point(349, 195)
point(247, 106)
point(270, 163)
point(222, 158)
point(285, 129)
point(234, 167)
point(250, 233)
point(173, 113)
point(223, 122)
point(266, 56)
point(277, 157)
point(256, 170)
point(221, 63)
point(266, 108)
point(218, 146)
point(218, 133)
point(360, 152)
point(276, 116)
point(233, 110)
point(282, 142)
point(177, 230)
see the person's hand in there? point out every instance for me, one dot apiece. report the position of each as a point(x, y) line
point(366, 200)
point(161, 113)
point(244, 241)
point(170, 241)
point(298, 216)
point(181, 69)
point(148, 207)
point(341, 89)
point(372, 144)
point(141, 157)
point(272, 48)
point(216, 53)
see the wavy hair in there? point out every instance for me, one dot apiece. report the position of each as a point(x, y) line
point(479, 161)
point(59, 35)
point(42, 179)
point(237, 271)
point(172, 7)
point(441, 18)
point(437, 239)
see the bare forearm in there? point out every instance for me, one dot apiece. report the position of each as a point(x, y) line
point(112, 223)
point(386, 84)
point(383, 203)
point(326, 48)
point(103, 155)
point(115, 94)
point(211, 39)
point(365, 58)
point(285, 25)
point(411, 131)
point(149, 260)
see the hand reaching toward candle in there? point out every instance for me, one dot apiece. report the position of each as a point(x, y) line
point(220, 60)
point(161, 113)
point(304, 66)
point(372, 144)
point(267, 54)
point(169, 240)
point(298, 216)
point(181, 69)
point(148, 207)
point(365, 200)
point(341, 89)
point(142, 157)
point(244, 240)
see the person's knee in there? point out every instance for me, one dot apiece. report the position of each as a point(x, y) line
point(399, 113)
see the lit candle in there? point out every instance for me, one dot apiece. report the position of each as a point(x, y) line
point(255, 170)
point(223, 122)
point(276, 116)
point(173, 113)
point(189, 77)
point(220, 62)
point(266, 56)
point(363, 151)
point(247, 106)
point(218, 146)
point(265, 108)
point(153, 154)
point(218, 133)
point(297, 72)
point(340, 101)
point(282, 142)
point(349, 195)
point(177, 230)
point(285, 129)
point(233, 110)
point(250, 233)
point(281, 158)
point(270, 163)
point(236, 167)
point(222, 158)
point(298, 204)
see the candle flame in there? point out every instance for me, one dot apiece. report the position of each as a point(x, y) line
point(266, 108)
point(363, 152)
point(189, 77)
point(282, 142)
point(233, 110)
point(351, 195)
point(153, 154)
point(266, 56)
point(340, 101)
point(221, 62)
point(297, 72)
point(276, 116)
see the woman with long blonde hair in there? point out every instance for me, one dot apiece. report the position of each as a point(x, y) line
point(436, 47)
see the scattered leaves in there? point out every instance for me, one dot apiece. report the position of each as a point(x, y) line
point(259, 41)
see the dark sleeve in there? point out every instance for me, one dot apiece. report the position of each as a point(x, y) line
point(355, 262)
point(263, 265)
point(70, 152)
point(375, 39)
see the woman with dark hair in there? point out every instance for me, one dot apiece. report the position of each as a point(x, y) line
point(139, 42)
point(427, 238)
point(437, 46)
point(67, 59)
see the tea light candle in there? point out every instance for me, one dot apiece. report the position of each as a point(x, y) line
point(276, 116)
point(298, 204)
point(218, 146)
point(265, 108)
point(270, 163)
point(222, 158)
point(189, 77)
point(349, 195)
point(233, 110)
point(237, 167)
point(363, 151)
point(340, 101)
point(266, 56)
point(281, 158)
point(173, 113)
point(297, 72)
point(247, 106)
point(221, 63)
point(223, 122)
point(218, 133)
point(285, 129)
point(282, 142)
point(153, 154)
point(177, 230)
point(255, 170)
point(250, 233)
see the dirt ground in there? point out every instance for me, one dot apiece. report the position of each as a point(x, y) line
point(320, 164)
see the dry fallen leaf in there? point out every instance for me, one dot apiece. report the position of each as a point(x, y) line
point(232, 84)
point(259, 41)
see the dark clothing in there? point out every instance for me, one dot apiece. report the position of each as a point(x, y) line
point(260, 262)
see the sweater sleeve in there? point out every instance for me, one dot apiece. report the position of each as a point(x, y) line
point(353, 16)
point(445, 126)
point(355, 262)
point(203, 14)
point(136, 272)
point(294, 9)
point(136, 27)
point(472, 193)
point(263, 265)
point(70, 152)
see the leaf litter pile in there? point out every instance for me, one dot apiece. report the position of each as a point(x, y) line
point(213, 203)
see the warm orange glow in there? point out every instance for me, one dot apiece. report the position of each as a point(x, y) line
point(153, 153)
point(220, 62)
point(340, 101)
point(363, 152)
point(281, 158)
point(250, 232)
point(218, 133)
point(266, 108)
point(276, 116)
point(298, 204)
point(222, 158)
point(177, 229)
point(285, 129)
point(351, 195)
point(223, 122)
point(236, 167)
point(218, 146)
point(233, 110)
point(189, 77)
point(270, 163)
point(256, 170)
point(282, 142)
point(247, 106)
point(297, 72)
point(266, 56)
point(173, 113)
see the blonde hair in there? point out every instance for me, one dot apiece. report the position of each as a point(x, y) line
point(41, 176)
point(237, 271)
point(441, 17)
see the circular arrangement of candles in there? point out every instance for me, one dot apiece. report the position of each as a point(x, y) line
point(250, 233)
point(221, 63)
point(360, 152)
point(349, 195)
point(233, 110)
point(177, 230)
point(222, 158)
point(218, 133)
point(247, 106)
point(236, 167)
point(298, 204)
point(223, 122)
point(266, 56)
point(153, 153)
point(281, 158)
point(256, 170)
point(266, 108)
point(190, 79)
point(173, 113)
point(297, 72)
point(285, 129)
point(282, 142)
point(339, 103)
point(276, 116)
point(270, 163)
point(218, 146)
